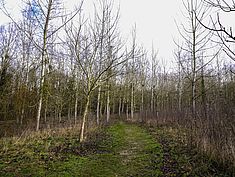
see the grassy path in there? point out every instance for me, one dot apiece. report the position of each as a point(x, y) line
point(127, 151)
point(118, 150)
point(121, 149)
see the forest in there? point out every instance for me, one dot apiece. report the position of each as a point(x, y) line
point(72, 75)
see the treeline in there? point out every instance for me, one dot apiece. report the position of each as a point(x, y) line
point(59, 66)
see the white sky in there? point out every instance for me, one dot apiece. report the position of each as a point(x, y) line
point(155, 23)
point(154, 20)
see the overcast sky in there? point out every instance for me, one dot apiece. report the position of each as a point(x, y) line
point(154, 20)
point(155, 23)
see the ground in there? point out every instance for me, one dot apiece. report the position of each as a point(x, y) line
point(121, 149)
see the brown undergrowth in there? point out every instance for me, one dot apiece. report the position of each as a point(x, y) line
point(182, 155)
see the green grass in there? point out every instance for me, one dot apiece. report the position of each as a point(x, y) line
point(138, 152)
point(121, 149)
point(127, 150)
point(118, 150)
point(33, 155)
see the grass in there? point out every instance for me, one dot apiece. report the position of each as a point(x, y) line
point(138, 151)
point(182, 159)
point(32, 155)
point(121, 149)
point(126, 150)
point(118, 150)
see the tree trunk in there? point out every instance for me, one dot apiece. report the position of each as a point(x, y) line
point(39, 112)
point(127, 111)
point(179, 87)
point(45, 113)
point(123, 105)
point(113, 110)
point(43, 63)
point(203, 92)
point(84, 119)
point(152, 100)
point(132, 101)
point(119, 107)
point(193, 23)
point(142, 100)
point(98, 107)
point(108, 106)
point(60, 113)
point(76, 108)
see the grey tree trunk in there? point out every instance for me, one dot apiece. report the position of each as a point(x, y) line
point(193, 64)
point(45, 113)
point(84, 119)
point(152, 99)
point(43, 63)
point(76, 108)
point(98, 107)
point(127, 111)
point(108, 105)
point(123, 105)
point(142, 100)
point(180, 89)
point(132, 101)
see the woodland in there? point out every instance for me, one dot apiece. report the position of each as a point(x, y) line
point(78, 99)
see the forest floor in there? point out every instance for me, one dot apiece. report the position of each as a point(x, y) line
point(120, 149)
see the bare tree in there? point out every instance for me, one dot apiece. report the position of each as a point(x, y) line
point(154, 78)
point(44, 14)
point(196, 40)
point(178, 56)
point(95, 68)
point(225, 34)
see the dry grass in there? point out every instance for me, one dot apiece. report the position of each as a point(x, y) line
point(29, 135)
point(219, 151)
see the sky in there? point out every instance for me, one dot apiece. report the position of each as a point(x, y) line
point(155, 23)
point(154, 20)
